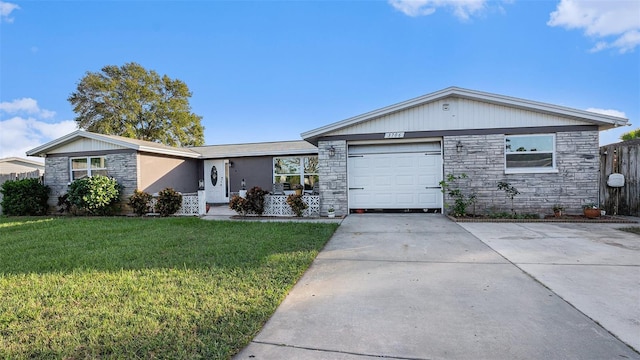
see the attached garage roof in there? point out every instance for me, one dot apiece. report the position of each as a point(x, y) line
point(255, 149)
point(117, 142)
point(586, 117)
point(19, 165)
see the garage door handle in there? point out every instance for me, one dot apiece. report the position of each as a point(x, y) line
point(356, 188)
point(432, 187)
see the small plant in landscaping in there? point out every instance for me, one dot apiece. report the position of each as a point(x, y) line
point(238, 204)
point(461, 200)
point(510, 191)
point(140, 202)
point(169, 202)
point(24, 197)
point(255, 200)
point(97, 195)
point(590, 206)
point(297, 204)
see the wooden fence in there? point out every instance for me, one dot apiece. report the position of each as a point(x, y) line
point(17, 176)
point(621, 158)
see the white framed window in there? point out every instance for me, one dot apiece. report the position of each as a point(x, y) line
point(530, 153)
point(82, 167)
point(296, 171)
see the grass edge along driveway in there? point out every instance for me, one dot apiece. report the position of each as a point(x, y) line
point(139, 288)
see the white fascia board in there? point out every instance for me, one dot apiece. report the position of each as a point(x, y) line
point(42, 149)
point(176, 152)
point(260, 153)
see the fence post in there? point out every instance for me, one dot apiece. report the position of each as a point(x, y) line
point(202, 203)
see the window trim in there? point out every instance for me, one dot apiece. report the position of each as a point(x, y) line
point(301, 172)
point(531, 170)
point(88, 169)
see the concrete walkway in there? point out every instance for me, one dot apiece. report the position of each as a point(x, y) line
point(419, 286)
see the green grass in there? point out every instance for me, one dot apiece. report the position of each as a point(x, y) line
point(174, 288)
point(632, 229)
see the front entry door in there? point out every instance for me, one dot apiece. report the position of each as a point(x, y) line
point(216, 181)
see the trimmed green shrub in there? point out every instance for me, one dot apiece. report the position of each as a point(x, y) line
point(26, 197)
point(140, 202)
point(169, 202)
point(97, 195)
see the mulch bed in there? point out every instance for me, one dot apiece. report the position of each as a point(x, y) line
point(548, 219)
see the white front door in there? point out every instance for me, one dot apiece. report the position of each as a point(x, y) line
point(216, 181)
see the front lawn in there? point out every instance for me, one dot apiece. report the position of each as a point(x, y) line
point(174, 288)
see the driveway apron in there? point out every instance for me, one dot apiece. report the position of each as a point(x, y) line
point(419, 286)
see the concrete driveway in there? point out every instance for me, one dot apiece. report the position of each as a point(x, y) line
point(595, 267)
point(422, 287)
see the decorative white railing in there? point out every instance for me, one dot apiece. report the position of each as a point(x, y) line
point(192, 204)
point(276, 205)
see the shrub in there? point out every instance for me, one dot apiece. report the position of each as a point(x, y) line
point(24, 197)
point(97, 195)
point(140, 202)
point(238, 204)
point(169, 202)
point(255, 200)
point(297, 205)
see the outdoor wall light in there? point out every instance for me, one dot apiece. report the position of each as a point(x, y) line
point(201, 184)
point(332, 151)
point(243, 185)
point(459, 146)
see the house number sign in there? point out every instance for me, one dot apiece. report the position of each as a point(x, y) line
point(394, 135)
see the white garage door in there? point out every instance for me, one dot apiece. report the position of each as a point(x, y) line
point(401, 176)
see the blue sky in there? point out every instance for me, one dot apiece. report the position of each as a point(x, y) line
point(270, 70)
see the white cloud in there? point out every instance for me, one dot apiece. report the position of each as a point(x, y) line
point(25, 106)
point(609, 112)
point(5, 11)
point(26, 128)
point(462, 9)
point(614, 24)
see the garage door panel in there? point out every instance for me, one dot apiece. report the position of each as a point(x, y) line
point(398, 180)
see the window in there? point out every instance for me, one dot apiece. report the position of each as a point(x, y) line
point(290, 170)
point(87, 166)
point(530, 153)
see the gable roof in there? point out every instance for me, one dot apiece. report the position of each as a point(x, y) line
point(602, 121)
point(298, 147)
point(19, 165)
point(119, 141)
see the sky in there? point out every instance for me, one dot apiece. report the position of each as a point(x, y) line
point(270, 70)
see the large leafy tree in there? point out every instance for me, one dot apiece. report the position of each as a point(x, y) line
point(133, 102)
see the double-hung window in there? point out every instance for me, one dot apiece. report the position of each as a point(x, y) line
point(530, 153)
point(82, 167)
point(296, 171)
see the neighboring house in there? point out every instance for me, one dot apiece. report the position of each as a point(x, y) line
point(16, 165)
point(387, 159)
point(395, 157)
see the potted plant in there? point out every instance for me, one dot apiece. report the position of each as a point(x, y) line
point(591, 210)
point(331, 212)
point(557, 210)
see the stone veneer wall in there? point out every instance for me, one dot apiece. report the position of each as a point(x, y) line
point(482, 159)
point(332, 172)
point(122, 166)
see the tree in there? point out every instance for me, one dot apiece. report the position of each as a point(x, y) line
point(132, 102)
point(633, 134)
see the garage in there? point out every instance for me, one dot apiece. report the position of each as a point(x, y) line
point(395, 176)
